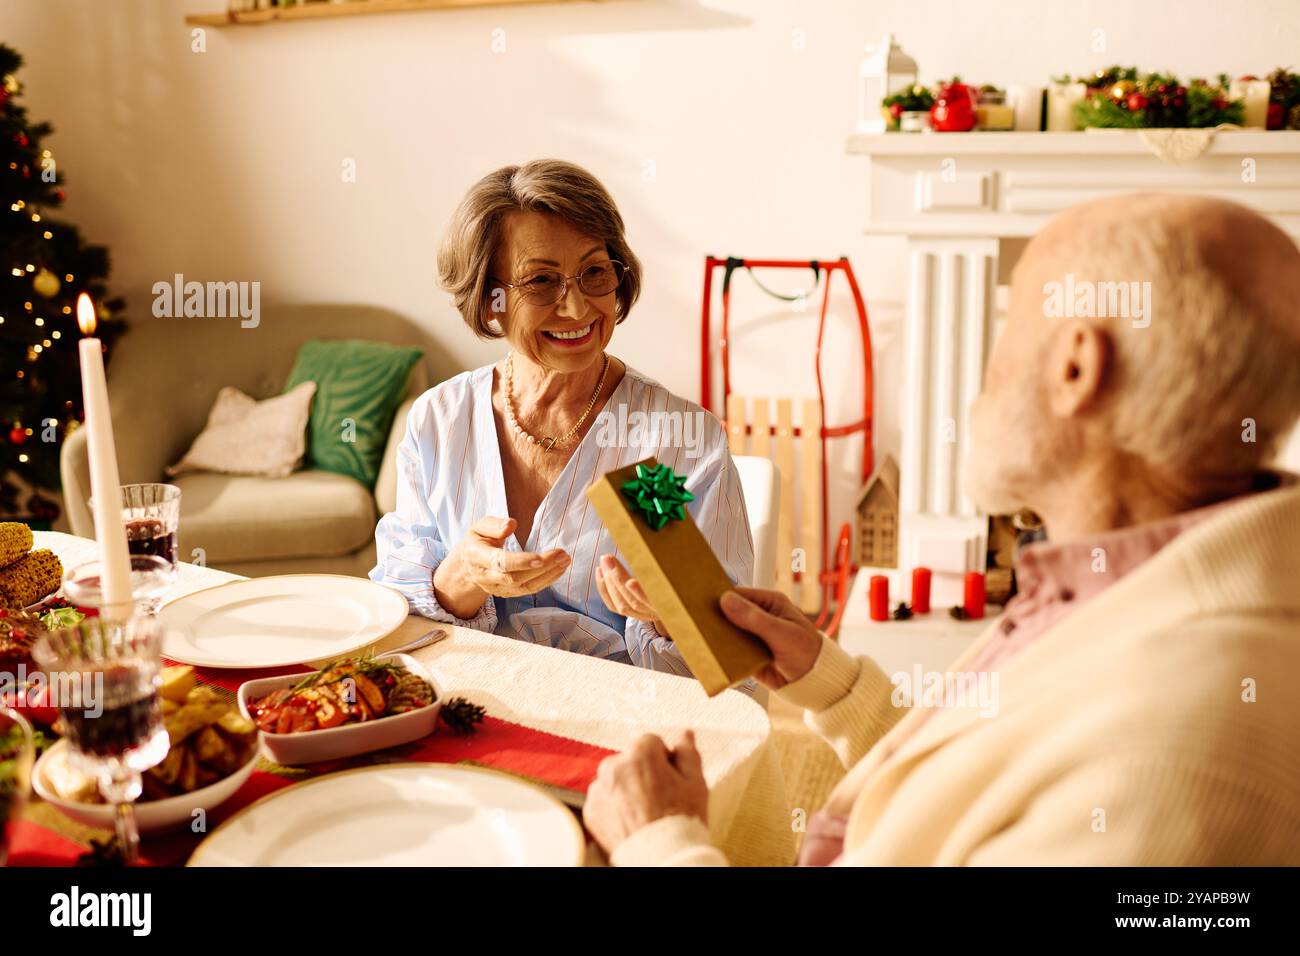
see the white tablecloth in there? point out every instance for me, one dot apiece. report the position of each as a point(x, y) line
point(593, 701)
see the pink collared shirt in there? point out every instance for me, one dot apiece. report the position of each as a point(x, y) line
point(1052, 580)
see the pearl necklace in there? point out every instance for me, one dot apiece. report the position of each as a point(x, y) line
point(548, 442)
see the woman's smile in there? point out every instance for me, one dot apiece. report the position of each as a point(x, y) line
point(571, 338)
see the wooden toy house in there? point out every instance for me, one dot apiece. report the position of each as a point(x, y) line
point(877, 511)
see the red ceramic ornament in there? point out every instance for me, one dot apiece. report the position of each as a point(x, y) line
point(954, 108)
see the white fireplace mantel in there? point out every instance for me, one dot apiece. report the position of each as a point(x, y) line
point(957, 198)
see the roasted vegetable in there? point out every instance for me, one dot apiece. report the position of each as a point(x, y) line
point(177, 682)
point(352, 690)
point(210, 740)
point(19, 632)
point(30, 578)
point(15, 541)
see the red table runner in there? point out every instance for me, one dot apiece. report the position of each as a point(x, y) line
point(506, 746)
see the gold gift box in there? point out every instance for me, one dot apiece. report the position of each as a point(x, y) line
point(684, 580)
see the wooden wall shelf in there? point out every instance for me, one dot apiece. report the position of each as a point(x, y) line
point(322, 10)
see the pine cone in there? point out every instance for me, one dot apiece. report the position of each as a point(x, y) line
point(462, 716)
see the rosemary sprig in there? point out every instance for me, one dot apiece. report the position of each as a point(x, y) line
point(365, 664)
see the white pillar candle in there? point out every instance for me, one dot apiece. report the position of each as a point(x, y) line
point(1061, 98)
point(1254, 96)
point(105, 486)
point(1027, 102)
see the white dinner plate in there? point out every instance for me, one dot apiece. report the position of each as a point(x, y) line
point(280, 620)
point(40, 606)
point(408, 814)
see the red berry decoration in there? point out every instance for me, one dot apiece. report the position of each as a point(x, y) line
point(896, 110)
point(1276, 116)
point(1137, 102)
point(954, 108)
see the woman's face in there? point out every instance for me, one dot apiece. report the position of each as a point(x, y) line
point(534, 243)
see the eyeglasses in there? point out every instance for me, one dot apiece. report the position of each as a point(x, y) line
point(548, 287)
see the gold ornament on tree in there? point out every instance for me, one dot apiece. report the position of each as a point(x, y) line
point(46, 284)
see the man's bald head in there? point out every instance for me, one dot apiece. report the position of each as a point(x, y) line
point(1196, 376)
point(1257, 263)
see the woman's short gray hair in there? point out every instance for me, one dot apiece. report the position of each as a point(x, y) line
point(543, 185)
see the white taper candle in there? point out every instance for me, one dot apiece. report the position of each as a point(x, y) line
point(105, 486)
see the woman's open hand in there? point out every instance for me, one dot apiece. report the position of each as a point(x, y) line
point(623, 594)
point(480, 565)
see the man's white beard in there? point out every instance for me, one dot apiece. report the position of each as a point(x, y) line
point(1003, 463)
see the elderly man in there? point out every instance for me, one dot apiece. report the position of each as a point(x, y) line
point(1148, 711)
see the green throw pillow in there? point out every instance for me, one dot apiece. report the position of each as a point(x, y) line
point(359, 385)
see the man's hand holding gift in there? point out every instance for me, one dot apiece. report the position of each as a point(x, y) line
point(653, 780)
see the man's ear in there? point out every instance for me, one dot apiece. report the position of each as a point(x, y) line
point(1078, 359)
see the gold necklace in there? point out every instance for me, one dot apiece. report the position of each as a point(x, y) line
point(549, 442)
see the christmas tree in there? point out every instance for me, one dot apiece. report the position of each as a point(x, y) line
point(44, 265)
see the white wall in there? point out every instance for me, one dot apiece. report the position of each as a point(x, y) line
point(226, 164)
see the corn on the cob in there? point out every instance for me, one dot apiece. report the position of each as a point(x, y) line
point(30, 578)
point(15, 541)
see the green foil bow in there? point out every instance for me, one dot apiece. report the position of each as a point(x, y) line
point(658, 494)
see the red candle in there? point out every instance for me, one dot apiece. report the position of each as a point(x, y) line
point(973, 603)
point(920, 590)
point(879, 597)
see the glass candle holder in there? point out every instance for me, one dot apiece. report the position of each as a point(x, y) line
point(151, 578)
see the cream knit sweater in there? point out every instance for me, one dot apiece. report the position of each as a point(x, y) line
point(1157, 725)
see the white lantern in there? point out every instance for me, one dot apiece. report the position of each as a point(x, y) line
point(885, 71)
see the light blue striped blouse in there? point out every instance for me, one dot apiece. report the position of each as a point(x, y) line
point(449, 476)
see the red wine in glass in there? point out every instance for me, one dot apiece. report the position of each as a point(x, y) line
point(121, 727)
point(150, 536)
point(127, 719)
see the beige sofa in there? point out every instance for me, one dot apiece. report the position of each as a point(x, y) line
point(162, 379)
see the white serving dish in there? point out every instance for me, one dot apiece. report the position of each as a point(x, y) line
point(151, 816)
point(347, 740)
point(401, 814)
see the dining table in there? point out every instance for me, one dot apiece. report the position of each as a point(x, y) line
point(551, 717)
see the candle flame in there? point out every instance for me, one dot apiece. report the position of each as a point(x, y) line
point(86, 314)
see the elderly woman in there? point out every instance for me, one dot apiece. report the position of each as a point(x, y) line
point(492, 528)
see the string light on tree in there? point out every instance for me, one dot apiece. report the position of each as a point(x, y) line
point(50, 263)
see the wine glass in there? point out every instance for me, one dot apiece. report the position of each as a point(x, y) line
point(104, 677)
point(151, 577)
point(151, 515)
point(16, 757)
